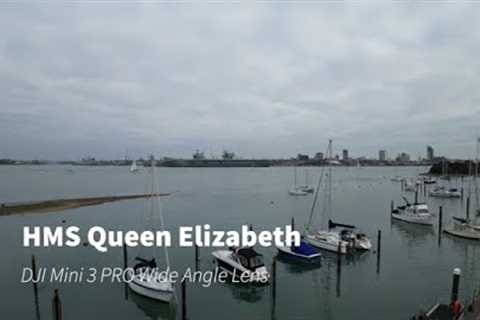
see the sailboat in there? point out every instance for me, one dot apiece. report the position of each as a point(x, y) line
point(296, 190)
point(133, 167)
point(331, 239)
point(147, 279)
point(307, 187)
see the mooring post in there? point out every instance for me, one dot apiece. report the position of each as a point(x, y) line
point(456, 284)
point(35, 275)
point(274, 280)
point(440, 220)
point(125, 257)
point(250, 227)
point(416, 194)
point(292, 223)
point(379, 248)
point(196, 257)
point(56, 306)
point(468, 208)
point(184, 299)
point(461, 193)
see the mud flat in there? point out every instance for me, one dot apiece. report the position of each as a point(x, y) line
point(14, 208)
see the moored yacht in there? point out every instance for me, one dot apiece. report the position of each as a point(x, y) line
point(413, 213)
point(304, 251)
point(355, 239)
point(442, 192)
point(463, 228)
point(242, 262)
point(147, 281)
point(327, 240)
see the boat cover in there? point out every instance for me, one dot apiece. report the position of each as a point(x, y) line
point(304, 249)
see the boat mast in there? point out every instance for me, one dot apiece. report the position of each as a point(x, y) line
point(155, 196)
point(329, 189)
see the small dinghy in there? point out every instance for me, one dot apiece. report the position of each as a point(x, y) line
point(304, 252)
point(147, 281)
point(242, 262)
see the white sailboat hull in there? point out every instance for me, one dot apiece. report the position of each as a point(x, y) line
point(327, 243)
point(423, 220)
point(152, 287)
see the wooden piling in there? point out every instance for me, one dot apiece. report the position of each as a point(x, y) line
point(125, 257)
point(56, 306)
point(184, 299)
point(35, 287)
point(292, 223)
point(196, 257)
point(250, 227)
point(34, 271)
point(440, 220)
point(339, 267)
point(273, 289)
point(379, 247)
point(467, 214)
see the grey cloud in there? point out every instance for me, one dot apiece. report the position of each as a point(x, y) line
point(266, 80)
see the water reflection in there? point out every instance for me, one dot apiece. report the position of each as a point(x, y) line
point(250, 293)
point(296, 266)
point(153, 309)
point(413, 233)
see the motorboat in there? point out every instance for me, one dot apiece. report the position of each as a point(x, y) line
point(442, 192)
point(397, 179)
point(147, 281)
point(429, 180)
point(242, 262)
point(304, 251)
point(356, 240)
point(417, 213)
point(306, 188)
point(297, 191)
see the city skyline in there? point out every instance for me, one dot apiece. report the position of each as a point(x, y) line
point(265, 81)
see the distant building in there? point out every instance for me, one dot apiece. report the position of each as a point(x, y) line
point(302, 156)
point(345, 155)
point(430, 154)
point(319, 155)
point(198, 155)
point(382, 155)
point(404, 157)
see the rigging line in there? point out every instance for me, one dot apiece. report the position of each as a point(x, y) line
point(315, 198)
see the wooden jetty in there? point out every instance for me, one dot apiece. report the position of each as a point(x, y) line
point(14, 208)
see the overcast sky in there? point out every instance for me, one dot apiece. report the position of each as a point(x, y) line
point(263, 80)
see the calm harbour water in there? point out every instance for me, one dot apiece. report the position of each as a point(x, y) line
point(415, 269)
